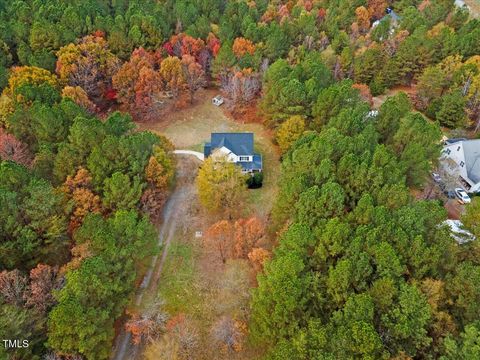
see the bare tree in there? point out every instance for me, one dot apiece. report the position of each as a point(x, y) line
point(241, 88)
point(225, 333)
point(13, 286)
point(149, 326)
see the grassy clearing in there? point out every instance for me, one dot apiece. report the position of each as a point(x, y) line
point(177, 285)
point(190, 128)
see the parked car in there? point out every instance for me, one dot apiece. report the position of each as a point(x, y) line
point(462, 196)
point(436, 177)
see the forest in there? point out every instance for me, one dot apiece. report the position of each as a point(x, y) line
point(361, 268)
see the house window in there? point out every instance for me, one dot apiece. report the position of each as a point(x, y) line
point(448, 151)
point(458, 148)
point(244, 158)
point(462, 163)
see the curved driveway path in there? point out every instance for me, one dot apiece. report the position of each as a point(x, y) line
point(197, 154)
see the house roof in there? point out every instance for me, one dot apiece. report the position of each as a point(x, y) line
point(238, 143)
point(394, 16)
point(454, 140)
point(471, 151)
point(256, 164)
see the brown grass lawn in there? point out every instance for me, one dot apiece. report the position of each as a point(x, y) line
point(190, 128)
point(379, 100)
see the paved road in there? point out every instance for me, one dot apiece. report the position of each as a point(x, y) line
point(197, 154)
point(178, 201)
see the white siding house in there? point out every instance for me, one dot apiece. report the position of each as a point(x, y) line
point(461, 157)
point(237, 148)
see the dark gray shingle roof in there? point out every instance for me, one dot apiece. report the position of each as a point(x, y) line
point(238, 143)
point(256, 164)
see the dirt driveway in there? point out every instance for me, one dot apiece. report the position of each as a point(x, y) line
point(173, 217)
point(454, 209)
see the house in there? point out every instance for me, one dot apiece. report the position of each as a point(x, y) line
point(461, 157)
point(392, 16)
point(237, 148)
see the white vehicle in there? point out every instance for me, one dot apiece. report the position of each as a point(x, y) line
point(218, 100)
point(462, 196)
point(458, 232)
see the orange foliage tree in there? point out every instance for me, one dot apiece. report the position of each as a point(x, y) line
point(363, 18)
point(376, 8)
point(220, 237)
point(242, 46)
point(365, 93)
point(247, 234)
point(172, 74)
point(139, 85)
point(193, 74)
point(258, 257)
point(148, 94)
point(124, 81)
point(80, 97)
point(147, 327)
point(182, 44)
point(79, 189)
point(89, 64)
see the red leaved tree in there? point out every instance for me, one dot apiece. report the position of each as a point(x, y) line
point(365, 92)
point(182, 44)
point(139, 85)
point(43, 279)
point(13, 149)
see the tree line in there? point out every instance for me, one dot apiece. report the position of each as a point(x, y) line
point(362, 268)
point(77, 196)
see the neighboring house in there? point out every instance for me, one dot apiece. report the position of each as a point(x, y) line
point(461, 157)
point(237, 148)
point(392, 16)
